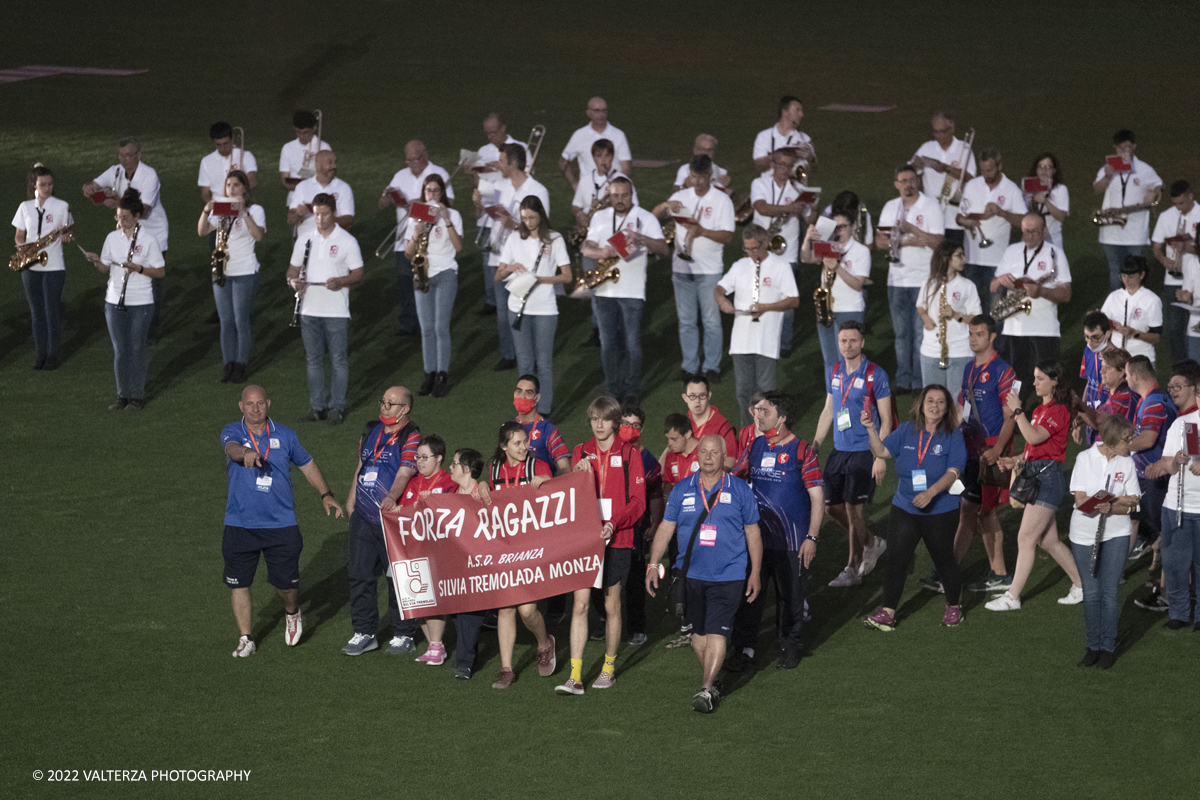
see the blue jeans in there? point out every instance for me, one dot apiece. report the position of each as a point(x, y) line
point(981, 276)
point(1193, 347)
point(908, 331)
point(406, 304)
point(1180, 549)
point(951, 377)
point(828, 337)
point(128, 330)
point(751, 373)
point(1175, 325)
point(319, 334)
point(489, 285)
point(695, 306)
point(43, 291)
point(504, 331)
point(620, 321)
point(1100, 605)
point(789, 321)
point(1115, 253)
point(534, 344)
point(434, 308)
point(234, 301)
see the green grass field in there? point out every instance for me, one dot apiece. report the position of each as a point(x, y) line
point(116, 625)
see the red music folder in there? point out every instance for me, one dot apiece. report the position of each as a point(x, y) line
point(1119, 164)
point(422, 212)
point(620, 244)
point(1191, 439)
point(1089, 506)
point(1033, 185)
point(400, 200)
point(824, 250)
point(225, 208)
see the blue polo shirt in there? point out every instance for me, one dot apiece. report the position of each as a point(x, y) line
point(263, 498)
point(848, 392)
point(546, 442)
point(942, 451)
point(382, 456)
point(986, 388)
point(723, 556)
point(781, 477)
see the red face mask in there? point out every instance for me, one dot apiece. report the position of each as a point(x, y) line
point(771, 434)
point(629, 433)
point(388, 420)
point(524, 405)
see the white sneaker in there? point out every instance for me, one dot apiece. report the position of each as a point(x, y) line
point(291, 634)
point(1005, 602)
point(871, 556)
point(847, 577)
point(1074, 597)
point(245, 647)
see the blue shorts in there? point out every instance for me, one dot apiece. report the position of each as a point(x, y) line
point(280, 547)
point(710, 606)
point(1052, 484)
point(848, 478)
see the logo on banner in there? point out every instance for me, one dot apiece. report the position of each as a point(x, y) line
point(415, 583)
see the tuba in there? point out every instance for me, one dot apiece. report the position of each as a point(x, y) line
point(33, 253)
point(220, 253)
point(823, 297)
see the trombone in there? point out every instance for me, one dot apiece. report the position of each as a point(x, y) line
point(239, 145)
point(305, 172)
point(535, 145)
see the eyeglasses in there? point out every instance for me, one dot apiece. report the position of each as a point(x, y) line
point(1179, 387)
point(695, 398)
point(426, 458)
point(637, 425)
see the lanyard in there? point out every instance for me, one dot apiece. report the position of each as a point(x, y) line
point(507, 481)
point(253, 441)
point(1030, 258)
point(379, 444)
point(704, 495)
point(1124, 178)
point(602, 467)
point(624, 219)
point(848, 381)
point(40, 212)
point(921, 451)
point(973, 375)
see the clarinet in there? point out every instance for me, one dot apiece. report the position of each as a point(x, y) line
point(301, 284)
point(1100, 532)
point(128, 259)
point(516, 325)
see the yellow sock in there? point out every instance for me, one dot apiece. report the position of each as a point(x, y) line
point(577, 670)
point(610, 664)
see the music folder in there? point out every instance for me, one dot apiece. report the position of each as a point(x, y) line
point(809, 195)
point(1033, 185)
point(621, 245)
point(1089, 506)
point(225, 207)
point(1119, 164)
point(824, 250)
point(683, 220)
point(98, 197)
point(399, 199)
point(422, 212)
point(1191, 439)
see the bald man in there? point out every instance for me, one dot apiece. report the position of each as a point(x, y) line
point(260, 514)
point(579, 148)
point(403, 189)
point(387, 460)
point(326, 181)
point(704, 145)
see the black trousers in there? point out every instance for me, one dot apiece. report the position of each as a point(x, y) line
point(366, 562)
point(903, 533)
point(782, 568)
point(1023, 354)
point(466, 629)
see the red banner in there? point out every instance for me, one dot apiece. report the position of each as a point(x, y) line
point(451, 553)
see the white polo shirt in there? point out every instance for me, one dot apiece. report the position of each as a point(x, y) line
point(932, 180)
point(410, 186)
point(343, 196)
point(580, 147)
point(1167, 226)
point(242, 259)
point(857, 261)
point(1141, 311)
point(332, 256)
point(593, 185)
point(868, 235)
point(719, 175)
point(963, 297)
point(1129, 189)
point(488, 154)
point(1191, 283)
point(1191, 484)
point(1061, 199)
point(441, 254)
point(1094, 473)
point(510, 200)
point(55, 214)
point(767, 190)
point(775, 283)
point(770, 140)
point(145, 253)
point(145, 180)
point(605, 223)
point(913, 269)
point(215, 168)
point(1043, 317)
point(715, 212)
point(976, 195)
point(543, 260)
point(294, 157)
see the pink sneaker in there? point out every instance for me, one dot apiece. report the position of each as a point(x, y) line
point(881, 620)
point(435, 656)
point(953, 616)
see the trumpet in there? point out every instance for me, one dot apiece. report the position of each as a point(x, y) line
point(745, 210)
point(239, 146)
point(951, 186)
point(978, 234)
point(1120, 216)
point(535, 145)
point(606, 270)
point(668, 229)
point(33, 253)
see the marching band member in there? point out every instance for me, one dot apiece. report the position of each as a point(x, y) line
point(784, 135)
point(1174, 242)
point(851, 269)
point(946, 285)
point(332, 265)
point(515, 186)
point(1136, 185)
point(297, 159)
point(131, 258)
point(40, 215)
point(704, 145)
point(596, 183)
point(542, 254)
point(409, 183)
point(914, 227)
point(618, 305)
point(1034, 337)
point(763, 286)
point(935, 161)
point(698, 263)
point(579, 148)
point(326, 182)
point(1054, 203)
point(776, 202)
point(435, 304)
point(848, 202)
point(1135, 313)
point(224, 159)
point(235, 298)
point(131, 173)
point(496, 133)
point(991, 205)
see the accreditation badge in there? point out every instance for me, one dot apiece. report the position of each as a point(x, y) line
point(263, 483)
point(843, 420)
point(708, 535)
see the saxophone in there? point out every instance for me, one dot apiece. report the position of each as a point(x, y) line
point(1018, 301)
point(823, 297)
point(33, 253)
point(1119, 216)
point(220, 253)
point(420, 262)
point(668, 229)
point(944, 312)
point(579, 233)
point(606, 270)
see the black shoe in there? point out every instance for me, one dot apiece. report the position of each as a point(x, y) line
point(713, 376)
point(427, 384)
point(790, 659)
point(336, 416)
point(1155, 602)
point(239, 373)
point(738, 662)
point(597, 633)
point(487, 311)
point(1197, 628)
point(462, 674)
point(316, 416)
point(594, 339)
point(227, 373)
point(489, 621)
point(1176, 624)
point(785, 352)
point(1090, 658)
point(135, 405)
point(1106, 660)
point(441, 385)
point(505, 364)
point(119, 405)
point(409, 331)
point(684, 374)
point(39, 364)
point(51, 363)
